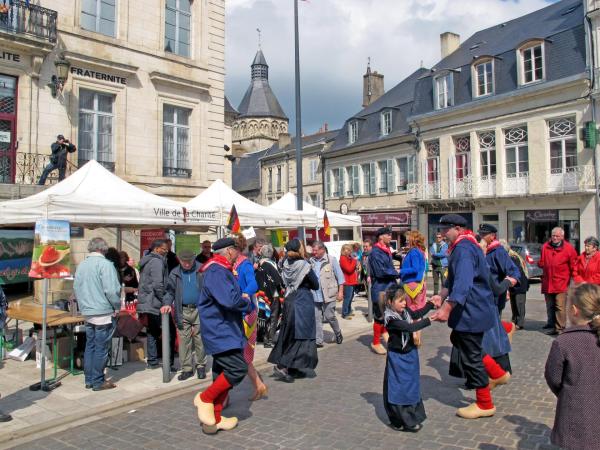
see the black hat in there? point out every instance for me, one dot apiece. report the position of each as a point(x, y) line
point(223, 243)
point(453, 220)
point(59, 137)
point(293, 245)
point(486, 228)
point(384, 230)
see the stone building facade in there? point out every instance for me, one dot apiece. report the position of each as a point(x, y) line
point(144, 92)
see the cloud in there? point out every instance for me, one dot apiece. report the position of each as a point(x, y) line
point(337, 37)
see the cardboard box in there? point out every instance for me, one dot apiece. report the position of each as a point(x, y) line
point(136, 351)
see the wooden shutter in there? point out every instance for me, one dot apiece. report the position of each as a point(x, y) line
point(391, 179)
point(328, 184)
point(355, 180)
point(372, 179)
point(342, 176)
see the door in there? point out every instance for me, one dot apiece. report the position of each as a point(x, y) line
point(8, 124)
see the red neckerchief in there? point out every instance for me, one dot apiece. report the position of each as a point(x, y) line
point(383, 247)
point(237, 263)
point(219, 260)
point(468, 235)
point(495, 244)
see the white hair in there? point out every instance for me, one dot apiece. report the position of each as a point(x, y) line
point(559, 229)
point(97, 245)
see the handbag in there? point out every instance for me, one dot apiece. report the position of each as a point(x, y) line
point(128, 326)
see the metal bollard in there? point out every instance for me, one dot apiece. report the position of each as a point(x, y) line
point(166, 347)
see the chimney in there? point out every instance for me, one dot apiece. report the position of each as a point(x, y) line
point(372, 87)
point(284, 140)
point(449, 42)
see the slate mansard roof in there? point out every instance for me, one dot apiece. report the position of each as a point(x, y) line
point(560, 26)
point(259, 99)
point(246, 172)
point(399, 99)
point(307, 141)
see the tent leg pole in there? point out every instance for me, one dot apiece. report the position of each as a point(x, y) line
point(43, 350)
point(119, 238)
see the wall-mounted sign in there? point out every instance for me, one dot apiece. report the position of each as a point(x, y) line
point(98, 75)
point(542, 215)
point(7, 56)
point(5, 136)
point(399, 218)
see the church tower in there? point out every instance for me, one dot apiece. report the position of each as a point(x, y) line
point(261, 119)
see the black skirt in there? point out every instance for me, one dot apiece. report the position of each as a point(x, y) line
point(402, 415)
point(290, 352)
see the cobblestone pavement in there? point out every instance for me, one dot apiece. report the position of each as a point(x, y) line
point(342, 407)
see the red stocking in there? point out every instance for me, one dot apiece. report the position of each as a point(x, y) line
point(219, 401)
point(218, 387)
point(377, 331)
point(508, 326)
point(484, 398)
point(493, 369)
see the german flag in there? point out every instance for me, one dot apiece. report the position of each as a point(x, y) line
point(326, 227)
point(233, 222)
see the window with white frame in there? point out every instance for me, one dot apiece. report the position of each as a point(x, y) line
point(341, 181)
point(352, 132)
point(517, 153)
point(443, 91)
point(334, 177)
point(406, 172)
point(532, 63)
point(386, 123)
point(313, 168)
point(99, 16)
point(178, 19)
point(432, 164)
point(314, 199)
point(270, 183)
point(176, 142)
point(487, 154)
point(279, 179)
point(96, 119)
point(386, 176)
point(484, 78)
point(563, 144)
point(462, 157)
point(349, 178)
point(368, 178)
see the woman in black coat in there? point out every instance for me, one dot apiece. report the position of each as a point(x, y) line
point(296, 347)
point(270, 284)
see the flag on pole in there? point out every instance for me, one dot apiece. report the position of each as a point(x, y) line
point(326, 227)
point(233, 222)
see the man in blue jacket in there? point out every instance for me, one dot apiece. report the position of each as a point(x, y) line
point(469, 309)
point(438, 254)
point(383, 275)
point(501, 266)
point(221, 308)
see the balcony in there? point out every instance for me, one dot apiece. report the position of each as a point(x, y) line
point(32, 24)
point(572, 179)
point(463, 187)
point(427, 191)
point(516, 184)
point(26, 168)
point(486, 186)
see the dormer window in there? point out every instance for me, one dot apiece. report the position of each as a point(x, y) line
point(483, 78)
point(531, 63)
point(386, 123)
point(352, 132)
point(443, 91)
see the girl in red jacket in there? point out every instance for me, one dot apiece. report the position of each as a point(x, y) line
point(587, 267)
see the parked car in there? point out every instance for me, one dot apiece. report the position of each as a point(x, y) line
point(531, 254)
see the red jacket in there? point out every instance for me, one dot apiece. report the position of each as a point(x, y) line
point(348, 265)
point(587, 272)
point(558, 265)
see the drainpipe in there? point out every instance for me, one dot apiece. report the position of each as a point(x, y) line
point(592, 66)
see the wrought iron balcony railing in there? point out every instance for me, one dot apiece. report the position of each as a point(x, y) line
point(21, 17)
point(26, 168)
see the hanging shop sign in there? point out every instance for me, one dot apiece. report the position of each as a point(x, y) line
point(542, 215)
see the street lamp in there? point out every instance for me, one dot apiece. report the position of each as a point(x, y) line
point(62, 73)
point(299, 195)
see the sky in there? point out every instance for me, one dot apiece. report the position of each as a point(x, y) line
point(336, 39)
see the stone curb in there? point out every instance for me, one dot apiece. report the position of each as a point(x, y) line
point(33, 432)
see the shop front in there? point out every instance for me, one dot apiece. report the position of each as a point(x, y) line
point(535, 225)
point(433, 223)
point(8, 125)
point(399, 221)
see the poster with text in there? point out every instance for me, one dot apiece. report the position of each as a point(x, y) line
point(148, 236)
point(16, 247)
point(51, 249)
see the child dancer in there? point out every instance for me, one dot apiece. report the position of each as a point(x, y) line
point(572, 372)
point(401, 384)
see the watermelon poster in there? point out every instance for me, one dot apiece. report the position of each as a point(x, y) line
point(51, 249)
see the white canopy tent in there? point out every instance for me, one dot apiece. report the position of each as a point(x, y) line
point(94, 196)
point(220, 197)
point(288, 203)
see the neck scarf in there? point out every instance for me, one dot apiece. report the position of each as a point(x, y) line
point(238, 261)
point(219, 260)
point(552, 244)
point(389, 314)
point(495, 244)
point(293, 273)
point(383, 247)
point(465, 235)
